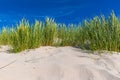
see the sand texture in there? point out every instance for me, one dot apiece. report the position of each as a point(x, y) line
point(63, 63)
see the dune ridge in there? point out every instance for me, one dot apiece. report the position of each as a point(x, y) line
point(58, 63)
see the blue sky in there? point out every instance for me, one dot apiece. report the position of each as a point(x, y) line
point(64, 11)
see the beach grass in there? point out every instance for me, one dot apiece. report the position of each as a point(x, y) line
point(98, 33)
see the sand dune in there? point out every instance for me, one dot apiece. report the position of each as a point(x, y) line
point(63, 63)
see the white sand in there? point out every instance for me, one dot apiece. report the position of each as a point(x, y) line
point(63, 63)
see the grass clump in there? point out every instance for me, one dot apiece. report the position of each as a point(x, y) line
point(20, 36)
point(98, 33)
point(4, 37)
point(49, 32)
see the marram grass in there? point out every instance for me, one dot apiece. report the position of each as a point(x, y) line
point(98, 33)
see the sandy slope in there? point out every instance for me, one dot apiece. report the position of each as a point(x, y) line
point(64, 63)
